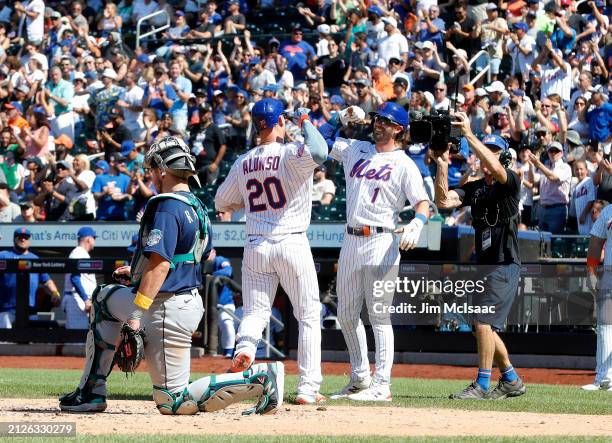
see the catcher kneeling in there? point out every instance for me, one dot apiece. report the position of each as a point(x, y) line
point(162, 308)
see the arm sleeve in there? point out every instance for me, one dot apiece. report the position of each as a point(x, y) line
point(75, 279)
point(330, 130)
point(228, 197)
point(44, 277)
point(315, 142)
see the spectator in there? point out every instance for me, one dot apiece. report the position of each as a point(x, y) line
point(324, 189)
point(441, 102)
point(8, 281)
point(79, 287)
point(14, 173)
point(522, 49)
point(27, 213)
point(105, 100)
point(33, 15)
point(554, 189)
point(110, 191)
point(141, 189)
point(556, 73)
point(401, 86)
point(209, 145)
point(464, 33)
point(63, 146)
point(298, 54)
point(432, 27)
point(9, 211)
point(494, 29)
point(240, 120)
point(235, 22)
point(381, 82)
point(56, 194)
point(83, 205)
point(583, 196)
point(394, 44)
point(599, 119)
point(529, 178)
point(80, 109)
point(60, 93)
point(114, 132)
point(34, 139)
point(182, 89)
point(131, 104)
point(259, 77)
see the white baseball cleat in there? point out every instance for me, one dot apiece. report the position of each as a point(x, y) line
point(603, 385)
point(354, 386)
point(376, 392)
point(591, 387)
point(309, 399)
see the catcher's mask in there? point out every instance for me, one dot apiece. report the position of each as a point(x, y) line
point(172, 155)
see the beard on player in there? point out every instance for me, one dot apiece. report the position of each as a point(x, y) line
point(383, 133)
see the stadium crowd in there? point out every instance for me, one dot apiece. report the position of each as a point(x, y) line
point(80, 106)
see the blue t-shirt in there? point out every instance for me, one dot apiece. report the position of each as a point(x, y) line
point(438, 37)
point(222, 266)
point(600, 122)
point(179, 107)
point(297, 55)
point(8, 283)
point(562, 41)
point(417, 153)
point(456, 165)
point(109, 209)
point(157, 103)
point(172, 231)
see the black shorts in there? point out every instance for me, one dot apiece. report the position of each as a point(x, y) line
point(501, 286)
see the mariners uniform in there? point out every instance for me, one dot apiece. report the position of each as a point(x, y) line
point(274, 184)
point(377, 187)
point(175, 227)
point(603, 358)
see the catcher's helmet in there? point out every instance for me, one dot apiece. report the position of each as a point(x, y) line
point(171, 155)
point(265, 113)
point(393, 112)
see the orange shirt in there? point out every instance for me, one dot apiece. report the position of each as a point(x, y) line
point(20, 122)
point(384, 86)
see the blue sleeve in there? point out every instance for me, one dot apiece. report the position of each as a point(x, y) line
point(75, 279)
point(330, 130)
point(316, 143)
point(97, 185)
point(225, 271)
point(163, 235)
point(44, 277)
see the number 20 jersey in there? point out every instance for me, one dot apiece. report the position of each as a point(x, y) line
point(273, 182)
point(377, 183)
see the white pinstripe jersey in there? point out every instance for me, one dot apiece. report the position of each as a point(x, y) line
point(602, 228)
point(377, 183)
point(273, 182)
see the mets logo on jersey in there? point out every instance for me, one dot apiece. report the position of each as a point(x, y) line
point(154, 237)
point(361, 170)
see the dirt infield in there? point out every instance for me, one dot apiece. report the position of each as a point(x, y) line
point(141, 418)
point(218, 364)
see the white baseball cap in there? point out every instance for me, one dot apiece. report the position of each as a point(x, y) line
point(109, 73)
point(459, 98)
point(78, 75)
point(428, 45)
point(390, 20)
point(480, 92)
point(429, 97)
point(496, 86)
point(324, 29)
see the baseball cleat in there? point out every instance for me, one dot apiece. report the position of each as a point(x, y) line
point(241, 362)
point(274, 388)
point(309, 399)
point(591, 387)
point(472, 392)
point(75, 402)
point(354, 386)
point(375, 392)
point(506, 389)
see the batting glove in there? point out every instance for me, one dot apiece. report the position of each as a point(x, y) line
point(352, 114)
point(410, 234)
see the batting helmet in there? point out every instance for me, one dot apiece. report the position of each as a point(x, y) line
point(172, 155)
point(265, 113)
point(393, 112)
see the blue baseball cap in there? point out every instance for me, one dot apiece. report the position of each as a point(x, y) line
point(22, 231)
point(132, 248)
point(103, 164)
point(375, 10)
point(254, 61)
point(337, 100)
point(521, 25)
point(126, 147)
point(495, 141)
point(14, 105)
point(91, 75)
point(144, 58)
point(86, 231)
point(272, 88)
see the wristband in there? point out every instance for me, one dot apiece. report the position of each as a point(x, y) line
point(55, 294)
point(302, 118)
point(592, 264)
point(421, 217)
point(142, 301)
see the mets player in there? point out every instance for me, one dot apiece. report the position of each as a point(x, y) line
point(601, 234)
point(380, 177)
point(273, 181)
point(166, 273)
point(79, 287)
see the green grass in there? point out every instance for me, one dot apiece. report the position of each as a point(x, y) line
point(41, 383)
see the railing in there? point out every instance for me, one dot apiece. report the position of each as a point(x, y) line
point(155, 30)
point(486, 70)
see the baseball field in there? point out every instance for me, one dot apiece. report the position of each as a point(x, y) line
point(553, 409)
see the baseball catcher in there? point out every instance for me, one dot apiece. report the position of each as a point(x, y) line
point(164, 301)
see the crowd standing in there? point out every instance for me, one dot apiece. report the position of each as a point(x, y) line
point(80, 106)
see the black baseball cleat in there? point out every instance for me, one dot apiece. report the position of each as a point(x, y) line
point(506, 389)
point(77, 402)
point(472, 392)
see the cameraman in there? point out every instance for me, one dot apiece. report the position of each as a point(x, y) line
point(494, 201)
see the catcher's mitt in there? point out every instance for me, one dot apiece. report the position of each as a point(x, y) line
point(130, 350)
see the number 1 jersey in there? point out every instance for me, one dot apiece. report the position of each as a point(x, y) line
point(273, 182)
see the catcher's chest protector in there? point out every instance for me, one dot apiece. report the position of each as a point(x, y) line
point(194, 255)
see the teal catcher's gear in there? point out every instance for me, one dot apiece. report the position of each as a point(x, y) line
point(194, 255)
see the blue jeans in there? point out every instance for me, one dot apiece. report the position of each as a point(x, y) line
point(552, 218)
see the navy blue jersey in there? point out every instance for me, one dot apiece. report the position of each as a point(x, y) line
point(172, 231)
